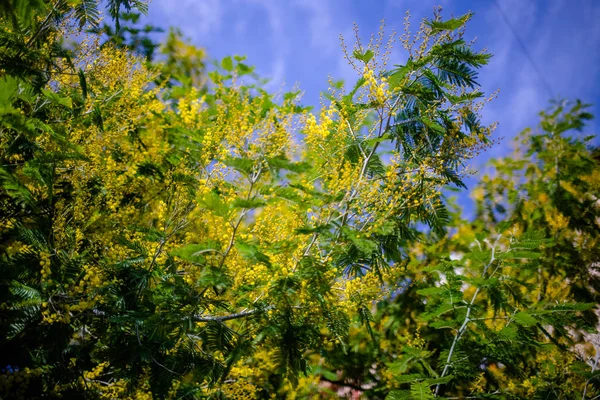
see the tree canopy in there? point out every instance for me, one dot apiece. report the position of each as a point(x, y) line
point(173, 230)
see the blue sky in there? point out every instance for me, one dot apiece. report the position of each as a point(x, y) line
point(297, 42)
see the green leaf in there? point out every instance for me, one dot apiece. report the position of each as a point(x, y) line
point(214, 277)
point(521, 255)
point(251, 252)
point(509, 332)
point(195, 252)
point(288, 193)
point(372, 141)
point(243, 165)
point(212, 201)
point(24, 292)
point(215, 77)
point(243, 69)
point(249, 203)
point(395, 76)
point(283, 163)
point(524, 319)
point(86, 11)
point(439, 381)
point(57, 99)
point(431, 290)
point(9, 87)
point(407, 378)
point(291, 95)
point(327, 374)
point(449, 25)
point(441, 309)
point(421, 391)
point(386, 228)
point(347, 99)
point(317, 229)
point(365, 57)
point(434, 126)
point(398, 395)
point(83, 84)
point(402, 364)
point(15, 189)
point(365, 246)
point(227, 64)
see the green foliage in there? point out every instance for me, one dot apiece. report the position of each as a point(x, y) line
point(30, 39)
point(506, 305)
point(162, 235)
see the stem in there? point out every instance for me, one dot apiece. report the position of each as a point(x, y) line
point(223, 318)
point(471, 397)
point(588, 381)
point(157, 252)
point(232, 239)
point(354, 192)
point(463, 327)
point(355, 138)
point(363, 170)
point(253, 180)
point(42, 25)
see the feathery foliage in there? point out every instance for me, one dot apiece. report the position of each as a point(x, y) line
point(173, 231)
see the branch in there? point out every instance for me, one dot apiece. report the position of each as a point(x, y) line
point(235, 226)
point(353, 192)
point(223, 318)
point(403, 122)
point(42, 25)
point(585, 388)
point(356, 139)
point(253, 179)
point(471, 397)
point(343, 383)
point(463, 327)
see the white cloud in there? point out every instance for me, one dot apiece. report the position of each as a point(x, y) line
point(197, 18)
point(278, 42)
point(276, 75)
point(323, 36)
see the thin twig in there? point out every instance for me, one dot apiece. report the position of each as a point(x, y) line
point(588, 381)
point(223, 318)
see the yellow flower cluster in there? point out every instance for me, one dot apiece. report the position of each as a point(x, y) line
point(316, 133)
point(378, 92)
point(555, 219)
point(307, 388)
point(362, 289)
point(114, 389)
point(6, 224)
point(189, 108)
point(18, 247)
point(96, 372)
point(14, 384)
point(45, 264)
